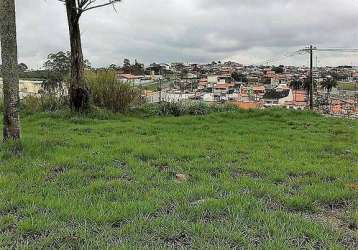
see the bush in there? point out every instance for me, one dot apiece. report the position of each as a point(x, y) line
point(1, 105)
point(109, 93)
point(172, 108)
point(43, 103)
point(184, 108)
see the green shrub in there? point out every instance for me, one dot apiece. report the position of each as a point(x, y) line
point(1, 105)
point(172, 108)
point(43, 103)
point(184, 108)
point(109, 93)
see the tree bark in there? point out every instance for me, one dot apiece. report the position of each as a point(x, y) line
point(11, 121)
point(79, 91)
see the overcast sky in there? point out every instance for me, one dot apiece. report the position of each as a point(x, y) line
point(247, 31)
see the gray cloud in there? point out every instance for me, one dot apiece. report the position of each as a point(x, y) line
point(248, 31)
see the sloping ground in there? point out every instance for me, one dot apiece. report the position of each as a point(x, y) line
point(266, 179)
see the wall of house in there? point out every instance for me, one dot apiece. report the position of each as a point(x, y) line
point(289, 98)
point(248, 105)
point(26, 88)
point(212, 79)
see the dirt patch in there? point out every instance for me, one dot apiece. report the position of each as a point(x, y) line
point(209, 217)
point(181, 240)
point(246, 173)
point(119, 223)
point(339, 206)
point(55, 172)
point(164, 169)
point(216, 172)
point(119, 164)
point(83, 130)
point(306, 242)
point(353, 186)
point(298, 175)
point(124, 177)
point(272, 204)
point(163, 211)
point(333, 214)
point(67, 242)
point(349, 241)
point(329, 179)
point(294, 189)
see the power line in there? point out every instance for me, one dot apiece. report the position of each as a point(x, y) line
point(281, 57)
point(306, 51)
point(351, 50)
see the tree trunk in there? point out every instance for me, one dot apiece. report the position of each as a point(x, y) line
point(11, 121)
point(79, 91)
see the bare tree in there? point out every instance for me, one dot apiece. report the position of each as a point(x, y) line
point(10, 73)
point(79, 90)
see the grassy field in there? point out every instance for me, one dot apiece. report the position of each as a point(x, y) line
point(348, 86)
point(261, 179)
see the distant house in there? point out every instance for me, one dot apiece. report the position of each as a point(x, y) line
point(252, 93)
point(135, 80)
point(26, 88)
point(300, 98)
point(223, 87)
point(128, 77)
point(343, 107)
point(275, 97)
point(202, 84)
point(270, 73)
point(355, 76)
point(219, 79)
point(248, 104)
point(278, 79)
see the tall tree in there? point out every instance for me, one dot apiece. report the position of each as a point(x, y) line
point(22, 67)
point(126, 66)
point(329, 83)
point(79, 90)
point(296, 84)
point(10, 73)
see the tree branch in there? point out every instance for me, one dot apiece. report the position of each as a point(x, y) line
point(86, 5)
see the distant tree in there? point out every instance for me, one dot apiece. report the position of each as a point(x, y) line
point(10, 73)
point(238, 77)
point(267, 81)
point(79, 90)
point(58, 66)
point(126, 66)
point(113, 67)
point(184, 73)
point(137, 68)
point(22, 67)
point(154, 68)
point(278, 70)
point(329, 83)
point(59, 63)
point(235, 76)
point(307, 84)
point(296, 84)
point(195, 68)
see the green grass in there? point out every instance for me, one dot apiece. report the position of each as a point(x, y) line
point(151, 87)
point(347, 86)
point(257, 179)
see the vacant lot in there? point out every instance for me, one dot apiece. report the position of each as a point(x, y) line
point(348, 86)
point(266, 179)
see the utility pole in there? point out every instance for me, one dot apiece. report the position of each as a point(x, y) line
point(311, 77)
point(160, 86)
